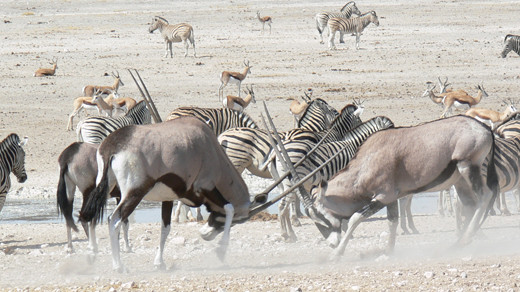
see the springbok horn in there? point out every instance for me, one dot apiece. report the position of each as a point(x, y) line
point(157, 119)
point(284, 158)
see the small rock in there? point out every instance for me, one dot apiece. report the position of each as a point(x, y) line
point(429, 275)
point(179, 240)
point(129, 285)
point(463, 275)
point(355, 288)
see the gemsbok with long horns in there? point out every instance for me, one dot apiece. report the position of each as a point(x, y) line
point(78, 168)
point(234, 78)
point(178, 159)
point(436, 155)
point(90, 90)
point(174, 33)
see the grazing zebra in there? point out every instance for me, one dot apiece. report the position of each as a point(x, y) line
point(174, 33)
point(511, 43)
point(352, 25)
point(345, 12)
point(96, 129)
point(12, 159)
point(219, 120)
point(298, 149)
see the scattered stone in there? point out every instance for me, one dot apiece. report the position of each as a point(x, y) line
point(429, 275)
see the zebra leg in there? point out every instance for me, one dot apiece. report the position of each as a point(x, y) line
point(198, 214)
point(409, 216)
point(402, 214)
point(192, 40)
point(331, 40)
point(502, 205)
point(166, 43)
point(341, 34)
point(166, 212)
point(293, 214)
point(393, 218)
point(357, 40)
point(177, 214)
point(186, 45)
point(2, 200)
point(285, 223)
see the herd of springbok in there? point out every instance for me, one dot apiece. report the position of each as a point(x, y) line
point(185, 159)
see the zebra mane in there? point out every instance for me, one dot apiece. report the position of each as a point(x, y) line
point(139, 106)
point(162, 18)
point(346, 5)
point(11, 139)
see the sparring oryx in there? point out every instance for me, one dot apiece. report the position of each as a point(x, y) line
point(78, 168)
point(178, 159)
point(394, 163)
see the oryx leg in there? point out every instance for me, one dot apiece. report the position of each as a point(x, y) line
point(405, 214)
point(224, 241)
point(392, 210)
point(166, 214)
point(368, 210)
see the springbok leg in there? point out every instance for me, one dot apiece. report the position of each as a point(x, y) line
point(166, 211)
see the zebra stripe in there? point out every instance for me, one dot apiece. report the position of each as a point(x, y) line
point(352, 25)
point(96, 129)
point(318, 116)
point(12, 159)
point(218, 119)
point(511, 43)
point(510, 128)
point(174, 33)
point(345, 12)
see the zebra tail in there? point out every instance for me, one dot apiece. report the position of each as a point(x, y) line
point(318, 26)
point(95, 206)
point(64, 205)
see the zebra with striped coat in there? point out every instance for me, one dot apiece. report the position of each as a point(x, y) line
point(219, 120)
point(345, 12)
point(174, 33)
point(298, 149)
point(12, 159)
point(96, 129)
point(511, 43)
point(354, 25)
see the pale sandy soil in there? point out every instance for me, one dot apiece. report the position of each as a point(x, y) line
point(415, 42)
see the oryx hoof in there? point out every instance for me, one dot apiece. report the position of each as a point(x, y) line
point(221, 252)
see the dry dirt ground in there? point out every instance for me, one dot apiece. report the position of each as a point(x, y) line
point(416, 42)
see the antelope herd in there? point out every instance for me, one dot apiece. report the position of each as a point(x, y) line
point(332, 162)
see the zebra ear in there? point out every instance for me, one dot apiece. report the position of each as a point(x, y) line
point(23, 142)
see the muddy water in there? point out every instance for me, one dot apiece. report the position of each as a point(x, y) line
point(45, 211)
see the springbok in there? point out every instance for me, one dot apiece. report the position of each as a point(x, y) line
point(90, 90)
point(264, 20)
point(233, 77)
point(123, 103)
point(47, 71)
point(78, 168)
point(459, 99)
point(87, 102)
point(178, 159)
point(238, 103)
point(297, 108)
point(491, 117)
point(378, 176)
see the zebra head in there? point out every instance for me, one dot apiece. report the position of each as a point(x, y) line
point(157, 22)
point(352, 7)
point(19, 159)
point(373, 18)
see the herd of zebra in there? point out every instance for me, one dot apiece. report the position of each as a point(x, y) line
point(323, 138)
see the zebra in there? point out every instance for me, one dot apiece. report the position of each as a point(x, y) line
point(511, 43)
point(219, 120)
point(298, 149)
point(96, 129)
point(345, 12)
point(12, 159)
point(318, 116)
point(352, 25)
point(174, 33)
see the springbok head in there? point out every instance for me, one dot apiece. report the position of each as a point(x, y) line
point(480, 87)
point(19, 159)
point(249, 91)
point(429, 88)
point(248, 67)
point(157, 22)
point(443, 85)
point(360, 107)
point(308, 95)
point(118, 79)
